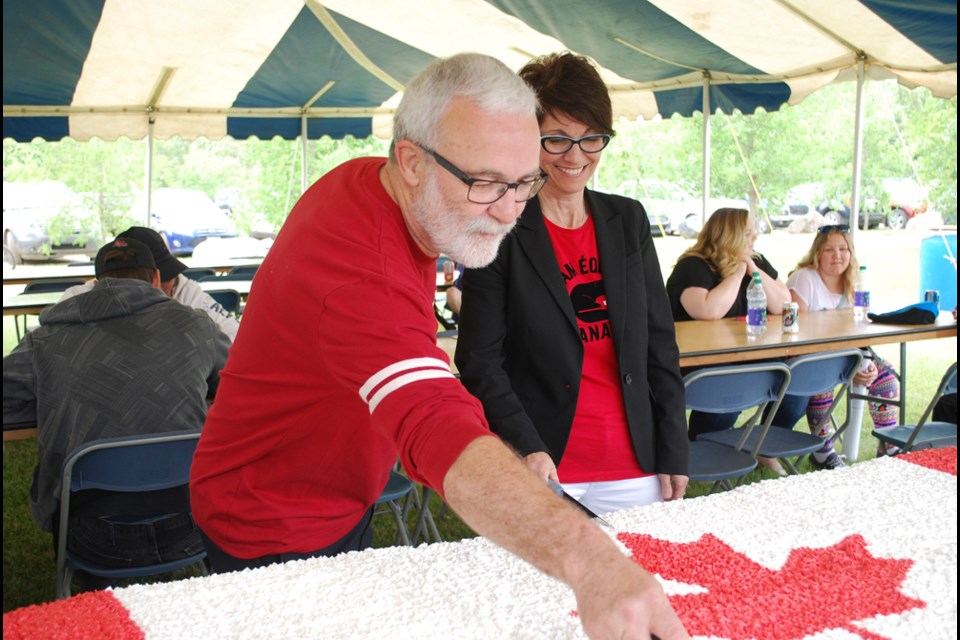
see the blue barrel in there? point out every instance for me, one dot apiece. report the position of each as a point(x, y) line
point(938, 267)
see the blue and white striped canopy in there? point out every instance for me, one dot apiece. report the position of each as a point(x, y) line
point(105, 68)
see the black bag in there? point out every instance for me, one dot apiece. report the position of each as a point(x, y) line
point(920, 313)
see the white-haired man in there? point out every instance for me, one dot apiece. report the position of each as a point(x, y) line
point(337, 371)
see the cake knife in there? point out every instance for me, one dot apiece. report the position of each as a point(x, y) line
point(560, 492)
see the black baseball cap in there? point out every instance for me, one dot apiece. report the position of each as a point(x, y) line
point(168, 265)
point(136, 255)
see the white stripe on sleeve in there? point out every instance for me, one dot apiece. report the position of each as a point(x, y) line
point(402, 373)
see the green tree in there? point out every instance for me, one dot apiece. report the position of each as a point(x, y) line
point(762, 155)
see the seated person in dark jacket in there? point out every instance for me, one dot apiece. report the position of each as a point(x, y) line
point(122, 359)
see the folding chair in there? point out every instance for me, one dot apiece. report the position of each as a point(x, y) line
point(810, 375)
point(924, 434)
point(226, 277)
point(415, 497)
point(195, 273)
point(425, 526)
point(126, 464)
point(398, 486)
point(726, 390)
point(246, 271)
point(229, 299)
point(46, 286)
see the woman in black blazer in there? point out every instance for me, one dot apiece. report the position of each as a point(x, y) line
point(567, 337)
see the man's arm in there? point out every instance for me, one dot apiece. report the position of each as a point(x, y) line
point(488, 486)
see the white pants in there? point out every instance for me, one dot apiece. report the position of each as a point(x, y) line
point(613, 495)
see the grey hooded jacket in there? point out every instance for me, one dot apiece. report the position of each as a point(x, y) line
point(122, 359)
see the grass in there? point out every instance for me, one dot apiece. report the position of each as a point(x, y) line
point(893, 261)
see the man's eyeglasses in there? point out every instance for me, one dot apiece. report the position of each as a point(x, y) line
point(482, 191)
point(594, 143)
point(840, 228)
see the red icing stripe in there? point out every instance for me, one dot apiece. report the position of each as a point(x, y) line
point(96, 615)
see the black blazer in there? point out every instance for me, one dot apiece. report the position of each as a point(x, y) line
point(519, 350)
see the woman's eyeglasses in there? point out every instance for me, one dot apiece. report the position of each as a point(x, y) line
point(839, 228)
point(556, 145)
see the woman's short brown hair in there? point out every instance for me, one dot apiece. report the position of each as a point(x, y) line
point(569, 84)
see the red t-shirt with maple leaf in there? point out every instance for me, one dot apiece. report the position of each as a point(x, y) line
point(599, 447)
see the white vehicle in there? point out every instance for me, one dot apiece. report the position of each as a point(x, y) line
point(44, 220)
point(799, 201)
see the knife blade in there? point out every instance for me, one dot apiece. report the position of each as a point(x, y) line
point(556, 488)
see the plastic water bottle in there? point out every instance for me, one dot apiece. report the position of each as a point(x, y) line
point(861, 296)
point(756, 307)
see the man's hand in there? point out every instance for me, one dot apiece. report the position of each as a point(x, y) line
point(499, 498)
point(673, 487)
point(624, 601)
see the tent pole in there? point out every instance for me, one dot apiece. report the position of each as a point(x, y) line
point(303, 152)
point(857, 151)
point(149, 169)
point(706, 149)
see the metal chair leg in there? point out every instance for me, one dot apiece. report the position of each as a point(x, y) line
point(426, 527)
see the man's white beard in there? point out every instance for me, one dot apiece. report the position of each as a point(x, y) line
point(451, 235)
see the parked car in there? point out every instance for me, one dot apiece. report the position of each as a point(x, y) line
point(184, 217)
point(661, 200)
point(835, 212)
point(44, 220)
point(798, 202)
point(900, 214)
point(907, 199)
point(670, 207)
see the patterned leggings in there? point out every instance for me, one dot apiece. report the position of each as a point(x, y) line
point(884, 415)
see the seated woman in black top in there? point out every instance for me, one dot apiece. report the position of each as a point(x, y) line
point(710, 280)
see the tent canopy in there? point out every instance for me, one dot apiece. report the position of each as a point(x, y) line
point(108, 68)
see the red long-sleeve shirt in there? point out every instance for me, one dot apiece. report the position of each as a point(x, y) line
point(334, 373)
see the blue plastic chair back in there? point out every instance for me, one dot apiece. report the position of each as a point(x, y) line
point(130, 464)
point(734, 388)
point(247, 270)
point(47, 287)
point(134, 463)
point(228, 277)
point(229, 299)
point(198, 273)
point(821, 372)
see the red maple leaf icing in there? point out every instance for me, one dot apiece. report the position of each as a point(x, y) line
point(815, 590)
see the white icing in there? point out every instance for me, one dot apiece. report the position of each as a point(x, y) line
point(475, 590)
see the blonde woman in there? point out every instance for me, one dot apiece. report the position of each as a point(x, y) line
point(709, 282)
point(710, 278)
point(822, 280)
